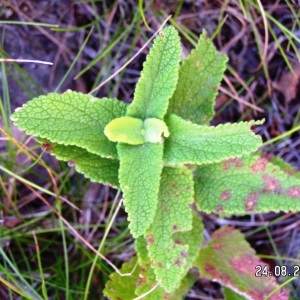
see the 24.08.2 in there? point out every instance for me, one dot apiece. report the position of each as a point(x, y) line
point(278, 271)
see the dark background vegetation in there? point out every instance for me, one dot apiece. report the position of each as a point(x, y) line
point(262, 81)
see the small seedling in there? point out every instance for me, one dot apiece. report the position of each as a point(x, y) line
point(169, 163)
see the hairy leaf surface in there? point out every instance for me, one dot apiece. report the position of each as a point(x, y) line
point(193, 238)
point(229, 259)
point(246, 185)
point(71, 118)
point(159, 77)
point(141, 249)
point(93, 166)
point(139, 176)
point(201, 144)
point(199, 76)
point(168, 255)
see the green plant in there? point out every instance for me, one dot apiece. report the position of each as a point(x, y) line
point(162, 153)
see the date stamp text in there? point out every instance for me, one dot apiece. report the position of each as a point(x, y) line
point(264, 271)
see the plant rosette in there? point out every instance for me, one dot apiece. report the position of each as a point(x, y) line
point(168, 161)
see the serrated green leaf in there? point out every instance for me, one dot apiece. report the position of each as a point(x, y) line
point(147, 276)
point(246, 185)
point(93, 166)
point(186, 284)
point(199, 76)
point(139, 176)
point(201, 144)
point(159, 77)
point(229, 259)
point(193, 238)
point(123, 287)
point(147, 281)
point(141, 250)
point(71, 118)
point(140, 283)
point(169, 256)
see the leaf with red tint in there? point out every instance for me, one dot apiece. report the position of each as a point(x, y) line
point(256, 183)
point(229, 259)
